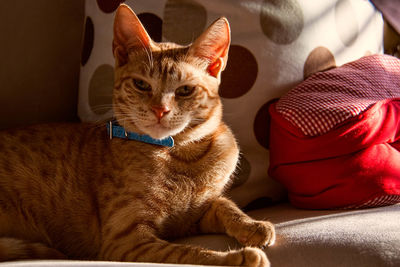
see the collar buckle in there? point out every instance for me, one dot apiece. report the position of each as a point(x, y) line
point(110, 130)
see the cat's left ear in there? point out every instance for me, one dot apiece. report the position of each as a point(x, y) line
point(213, 45)
point(129, 34)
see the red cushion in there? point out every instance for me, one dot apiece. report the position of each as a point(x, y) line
point(335, 138)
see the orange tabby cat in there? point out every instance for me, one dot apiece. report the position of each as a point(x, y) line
point(68, 191)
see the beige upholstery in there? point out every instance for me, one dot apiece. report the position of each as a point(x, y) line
point(307, 238)
point(369, 237)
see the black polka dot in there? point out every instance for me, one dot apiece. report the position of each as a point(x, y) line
point(153, 25)
point(184, 21)
point(109, 6)
point(281, 21)
point(240, 73)
point(87, 41)
point(320, 59)
point(242, 172)
point(262, 124)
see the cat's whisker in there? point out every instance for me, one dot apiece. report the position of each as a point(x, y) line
point(149, 54)
point(103, 105)
point(100, 123)
point(98, 108)
point(104, 94)
point(152, 59)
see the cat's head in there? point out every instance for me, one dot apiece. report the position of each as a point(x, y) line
point(165, 89)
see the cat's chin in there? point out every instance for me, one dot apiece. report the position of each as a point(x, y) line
point(159, 131)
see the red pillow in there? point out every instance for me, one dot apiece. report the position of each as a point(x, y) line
point(335, 138)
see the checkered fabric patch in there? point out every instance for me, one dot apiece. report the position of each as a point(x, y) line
point(328, 98)
point(377, 202)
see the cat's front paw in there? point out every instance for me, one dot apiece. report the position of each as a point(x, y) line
point(256, 234)
point(254, 257)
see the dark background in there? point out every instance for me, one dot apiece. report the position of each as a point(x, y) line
point(40, 44)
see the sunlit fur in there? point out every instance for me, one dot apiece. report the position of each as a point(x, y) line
point(68, 191)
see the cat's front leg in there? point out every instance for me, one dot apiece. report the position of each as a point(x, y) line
point(138, 244)
point(224, 216)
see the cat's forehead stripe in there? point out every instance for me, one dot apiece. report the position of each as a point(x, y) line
point(165, 72)
point(165, 67)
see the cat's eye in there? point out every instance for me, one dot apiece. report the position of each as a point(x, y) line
point(142, 85)
point(185, 90)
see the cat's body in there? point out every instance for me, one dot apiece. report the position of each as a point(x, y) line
point(100, 179)
point(68, 190)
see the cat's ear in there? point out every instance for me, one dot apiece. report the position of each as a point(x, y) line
point(213, 45)
point(129, 34)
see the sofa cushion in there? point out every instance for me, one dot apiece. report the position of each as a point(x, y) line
point(335, 137)
point(308, 238)
point(367, 237)
point(305, 238)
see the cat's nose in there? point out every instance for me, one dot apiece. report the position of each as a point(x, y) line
point(160, 111)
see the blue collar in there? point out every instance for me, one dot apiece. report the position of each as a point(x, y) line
point(115, 130)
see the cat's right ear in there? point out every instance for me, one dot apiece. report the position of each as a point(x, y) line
point(213, 45)
point(129, 34)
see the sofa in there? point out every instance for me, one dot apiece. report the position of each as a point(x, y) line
point(276, 46)
point(368, 237)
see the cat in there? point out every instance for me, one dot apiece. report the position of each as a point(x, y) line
point(76, 191)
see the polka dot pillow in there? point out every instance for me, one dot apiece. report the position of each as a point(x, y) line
point(275, 45)
point(335, 138)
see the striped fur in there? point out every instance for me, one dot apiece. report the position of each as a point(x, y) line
point(67, 191)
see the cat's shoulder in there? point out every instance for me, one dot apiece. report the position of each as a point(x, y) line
point(224, 137)
point(55, 130)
